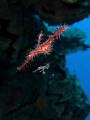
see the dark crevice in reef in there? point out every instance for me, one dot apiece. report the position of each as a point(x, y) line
point(46, 11)
point(3, 30)
point(22, 106)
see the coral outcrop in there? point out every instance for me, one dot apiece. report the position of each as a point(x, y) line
point(61, 11)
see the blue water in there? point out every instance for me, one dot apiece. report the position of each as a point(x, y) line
point(78, 63)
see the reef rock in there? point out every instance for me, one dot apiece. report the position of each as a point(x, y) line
point(61, 11)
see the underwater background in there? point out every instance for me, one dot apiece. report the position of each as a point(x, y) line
point(44, 59)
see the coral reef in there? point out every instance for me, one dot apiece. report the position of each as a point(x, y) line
point(56, 11)
point(80, 2)
point(24, 95)
point(57, 95)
